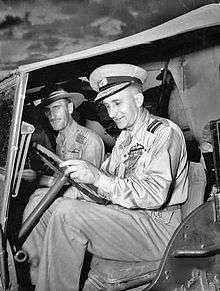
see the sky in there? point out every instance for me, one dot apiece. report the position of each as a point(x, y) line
point(35, 30)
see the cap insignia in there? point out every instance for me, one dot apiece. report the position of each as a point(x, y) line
point(103, 83)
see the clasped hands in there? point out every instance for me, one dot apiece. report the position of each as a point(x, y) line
point(81, 171)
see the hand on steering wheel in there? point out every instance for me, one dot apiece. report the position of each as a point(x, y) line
point(81, 184)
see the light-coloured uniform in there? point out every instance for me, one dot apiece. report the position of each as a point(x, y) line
point(145, 164)
point(79, 142)
point(147, 180)
point(75, 142)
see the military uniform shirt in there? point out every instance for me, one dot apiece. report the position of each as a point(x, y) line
point(79, 142)
point(148, 166)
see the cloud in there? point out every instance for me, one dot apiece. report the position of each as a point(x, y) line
point(34, 30)
point(15, 52)
point(108, 26)
point(96, 1)
point(47, 30)
point(8, 49)
point(47, 13)
point(133, 13)
point(10, 21)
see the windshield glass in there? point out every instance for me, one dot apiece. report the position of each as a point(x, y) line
point(7, 91)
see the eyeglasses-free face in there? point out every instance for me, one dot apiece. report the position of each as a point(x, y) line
point(59, 113)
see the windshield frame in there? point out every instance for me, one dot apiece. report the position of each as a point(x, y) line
point(20, 81)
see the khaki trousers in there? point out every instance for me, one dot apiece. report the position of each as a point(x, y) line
point(70, 227)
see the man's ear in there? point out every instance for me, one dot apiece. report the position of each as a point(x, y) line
point(139, 99)
point(70, 107)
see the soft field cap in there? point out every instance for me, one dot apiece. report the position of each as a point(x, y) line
point(75, 97)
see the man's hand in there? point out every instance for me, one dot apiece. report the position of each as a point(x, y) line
point(29, 175)
point(47, 181)
point(81, 171)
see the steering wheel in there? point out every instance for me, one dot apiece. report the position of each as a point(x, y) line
point(52, 160)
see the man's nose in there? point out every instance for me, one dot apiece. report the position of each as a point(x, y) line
point(111, 112)
point(50, 114)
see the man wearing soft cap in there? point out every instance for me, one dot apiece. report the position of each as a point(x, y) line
point(73, 142)
point(145, 179)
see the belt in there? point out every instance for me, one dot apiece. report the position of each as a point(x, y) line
point(167, 208)
point(171, 207)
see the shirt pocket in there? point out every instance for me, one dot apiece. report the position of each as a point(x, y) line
point(73, 153)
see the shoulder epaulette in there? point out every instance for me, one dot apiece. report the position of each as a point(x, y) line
point(154, 125)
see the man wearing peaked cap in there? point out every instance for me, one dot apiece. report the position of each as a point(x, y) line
point(145, 180)
point(109, 79)
point(73, 142)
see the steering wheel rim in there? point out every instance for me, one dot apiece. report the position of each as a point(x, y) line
point(45, 154)
point(40, 208)
point(50, 196)
point(88, 189)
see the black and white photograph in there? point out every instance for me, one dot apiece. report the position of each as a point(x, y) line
point(109, 145)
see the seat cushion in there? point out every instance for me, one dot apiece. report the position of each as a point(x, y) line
point(114, 272)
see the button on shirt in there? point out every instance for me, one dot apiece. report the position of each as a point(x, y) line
point(147, 169)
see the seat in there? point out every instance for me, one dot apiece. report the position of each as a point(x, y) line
point(197, 184)
point(116, 275)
